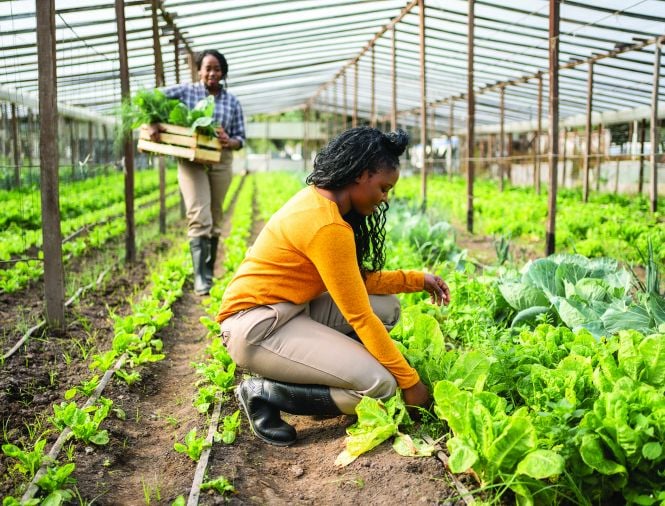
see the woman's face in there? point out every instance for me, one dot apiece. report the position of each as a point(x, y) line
point(371, 189)
point(210, 72)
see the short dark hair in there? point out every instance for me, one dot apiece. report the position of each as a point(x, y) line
point(220, 58)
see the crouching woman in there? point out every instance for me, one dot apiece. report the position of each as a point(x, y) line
point(309, 309)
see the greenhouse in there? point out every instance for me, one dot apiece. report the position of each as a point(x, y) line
point(332, 252)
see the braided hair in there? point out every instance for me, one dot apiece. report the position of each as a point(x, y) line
point(340, 163)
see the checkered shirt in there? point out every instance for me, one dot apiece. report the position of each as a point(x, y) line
point(228, 111)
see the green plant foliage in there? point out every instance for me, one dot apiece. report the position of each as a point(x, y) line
point(193, 446)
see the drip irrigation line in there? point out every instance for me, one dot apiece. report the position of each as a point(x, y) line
point(64, 435)
point(202, 465)
point(43, 322)
point(466, 496)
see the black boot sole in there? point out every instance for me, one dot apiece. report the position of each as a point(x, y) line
point(245, 408)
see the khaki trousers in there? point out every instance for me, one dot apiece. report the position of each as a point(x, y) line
point(203, 189)
point(310, 344)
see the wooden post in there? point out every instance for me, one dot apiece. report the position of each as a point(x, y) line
point(128, 148)
point(423, 105)
point(354, 119)
point(640, 180)
point(471, 119)
point(587, 149)
point(654, 127)
point(550, 237)
point(54, 276)
point(393, 75)
point(539, 129)
point(502, 111)
point(16, 146)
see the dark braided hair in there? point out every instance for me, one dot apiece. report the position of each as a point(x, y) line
point(340, 163)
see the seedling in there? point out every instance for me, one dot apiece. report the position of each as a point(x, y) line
point(28, 461)
point(193, 446)
point(220, 485)
point(231, 424)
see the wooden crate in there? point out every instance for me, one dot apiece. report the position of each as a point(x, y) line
point(180, 142)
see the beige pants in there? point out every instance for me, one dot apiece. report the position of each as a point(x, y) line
point(203, 189)
point(309, 344)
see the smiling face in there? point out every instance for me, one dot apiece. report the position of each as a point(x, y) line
point(210, 72)
point(371, 189)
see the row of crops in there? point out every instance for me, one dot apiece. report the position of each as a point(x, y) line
point(92, 213)
point(548, 378)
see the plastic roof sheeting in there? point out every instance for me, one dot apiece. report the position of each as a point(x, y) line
point(281, 53)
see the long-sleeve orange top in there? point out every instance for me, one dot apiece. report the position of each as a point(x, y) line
point(307, 248)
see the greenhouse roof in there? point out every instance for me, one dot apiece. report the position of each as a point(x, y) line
point(282, 54)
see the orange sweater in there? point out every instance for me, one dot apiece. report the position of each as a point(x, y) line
point(307, 248)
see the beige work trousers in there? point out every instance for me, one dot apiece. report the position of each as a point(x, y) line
point(203, 189)
point(310, 344)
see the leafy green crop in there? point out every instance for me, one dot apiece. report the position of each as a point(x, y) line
point(193, 446)
point(153, 106)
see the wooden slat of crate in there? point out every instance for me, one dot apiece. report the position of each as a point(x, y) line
point(180, 142)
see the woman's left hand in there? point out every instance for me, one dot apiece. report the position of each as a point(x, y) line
point(438, 289)
point(226, 141)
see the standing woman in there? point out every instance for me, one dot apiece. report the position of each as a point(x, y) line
point(309, 308)
point(204, 187)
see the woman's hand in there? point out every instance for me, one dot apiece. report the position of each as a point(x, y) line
point(417, 395)
point(153, 131)
point(226, 141)
point(438, 289)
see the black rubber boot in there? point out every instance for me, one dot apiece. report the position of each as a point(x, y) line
point(200, 249)
point(263, 399)
point(210, 260)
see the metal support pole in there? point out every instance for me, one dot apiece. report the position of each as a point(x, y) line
point(423, 105)
point(550, 237)
point(345, 110)
point(502, 113)
point(176, 51)
point(563, 168)
point(654, 127)
point(471, 119)
point(449, 152)
point(640, 180)
point(354, 119)
point(587, 148)
point(16, 146)
point(372, 114)
point(130, 240)
point(54, 275)
point(539, 129)
point(393, 75)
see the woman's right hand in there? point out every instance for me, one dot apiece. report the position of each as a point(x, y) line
point(153, 132)
point(417, 395)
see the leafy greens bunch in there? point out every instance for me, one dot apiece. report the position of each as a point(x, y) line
point(153, 106)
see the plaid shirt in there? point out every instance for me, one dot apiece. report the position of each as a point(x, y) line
point(228, 111)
